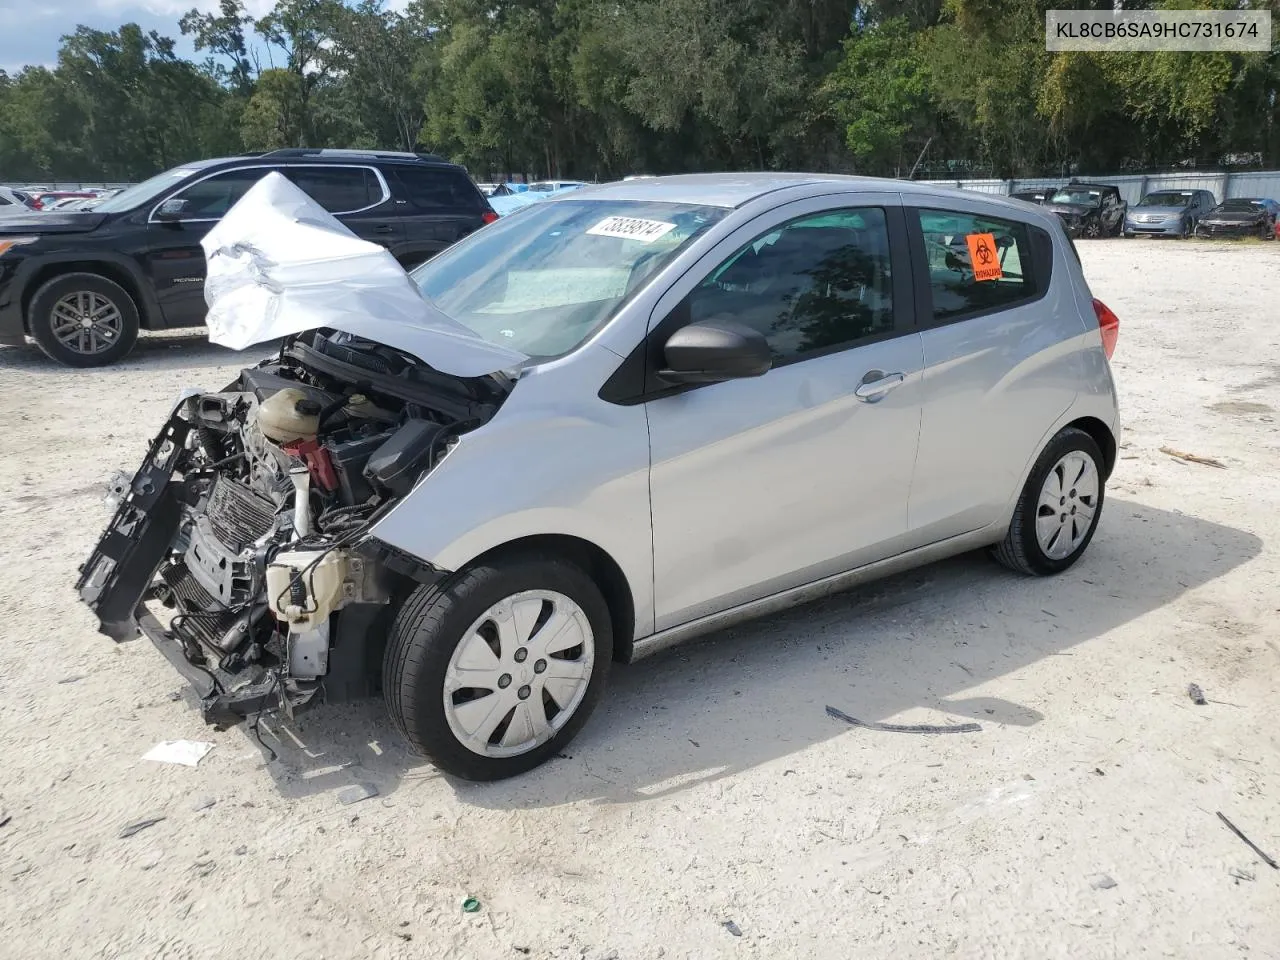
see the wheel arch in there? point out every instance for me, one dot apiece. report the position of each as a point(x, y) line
point(602, 568)
point(117, 271)
point(1102, 436)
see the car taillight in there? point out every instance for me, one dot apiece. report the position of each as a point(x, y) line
point(488, 216)
point(1108, 326)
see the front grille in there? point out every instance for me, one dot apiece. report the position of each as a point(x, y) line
point(238, 516)
point(206, 619)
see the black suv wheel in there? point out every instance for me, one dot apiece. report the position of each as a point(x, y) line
point(83, 320)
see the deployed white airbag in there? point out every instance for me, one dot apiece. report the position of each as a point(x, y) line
point(279, 264)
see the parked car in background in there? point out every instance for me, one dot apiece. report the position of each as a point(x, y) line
point(555, 186)
point(14, 203)
point(766, 388)
point(1088, 209)
point(1032, 196)
point(1254, 217)
point(50, 199)
point(82, 283)
point(1168, 213)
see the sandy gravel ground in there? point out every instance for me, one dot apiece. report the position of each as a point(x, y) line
point(710, 787)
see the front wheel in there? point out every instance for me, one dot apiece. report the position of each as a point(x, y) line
point(494, 670)
point(1059, 508)
point(83, 320)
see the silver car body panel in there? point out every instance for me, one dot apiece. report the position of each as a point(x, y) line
point(737, 498)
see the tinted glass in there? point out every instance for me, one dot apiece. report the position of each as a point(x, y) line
point(544, 278)
point(338, 189)
point(431, 189)
point(1167, 198)
point(812, 284)
point(4, 201)
point(210, 199)
point(952, 280)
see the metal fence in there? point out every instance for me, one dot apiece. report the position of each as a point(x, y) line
point(1133, 187)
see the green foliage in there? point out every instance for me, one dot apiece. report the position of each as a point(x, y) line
point(601, 88)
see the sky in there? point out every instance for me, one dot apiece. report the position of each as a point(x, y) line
point(30, 31)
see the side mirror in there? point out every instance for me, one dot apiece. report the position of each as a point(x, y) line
point(715, 350)
point(171, 210)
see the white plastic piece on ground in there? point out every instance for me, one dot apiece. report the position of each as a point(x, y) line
point(189, 753)
point(279, 264)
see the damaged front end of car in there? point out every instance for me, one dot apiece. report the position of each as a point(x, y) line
point(241, 545)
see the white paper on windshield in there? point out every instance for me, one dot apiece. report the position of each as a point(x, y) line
point(631, 228)
point(279, 264)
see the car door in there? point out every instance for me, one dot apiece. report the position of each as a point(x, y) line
point(993, 380)
point(356, 195)
point(172, 256)
point(758, 485)
point(1112, 210)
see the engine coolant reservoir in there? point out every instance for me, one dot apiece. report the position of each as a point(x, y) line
point(288, 415)
point(305, 586)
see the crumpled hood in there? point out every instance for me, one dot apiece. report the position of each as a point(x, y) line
point(1070, 209)
point(1233, 216)
point(33, 221)
point(279, 264)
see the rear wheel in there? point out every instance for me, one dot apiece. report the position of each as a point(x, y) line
point(493, 671)
point(83, 320)
point(1059, 508)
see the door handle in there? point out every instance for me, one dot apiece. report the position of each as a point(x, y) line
point(876, 384)
point(384, 228)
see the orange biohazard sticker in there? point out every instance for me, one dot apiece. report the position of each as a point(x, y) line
point(984, 256)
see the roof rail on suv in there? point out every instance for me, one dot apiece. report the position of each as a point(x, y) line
point(352, 154)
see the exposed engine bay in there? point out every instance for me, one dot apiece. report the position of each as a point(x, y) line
point(247, 523)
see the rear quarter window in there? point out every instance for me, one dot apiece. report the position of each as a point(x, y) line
point(1017, 270)
point(434, 189)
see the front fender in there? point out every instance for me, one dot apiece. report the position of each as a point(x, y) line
point(555, 460)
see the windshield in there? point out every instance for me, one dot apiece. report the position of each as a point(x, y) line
point(1082, 198)
point(1165, 200)
point(147, 190)
point(542, 280)
point(1239, 206)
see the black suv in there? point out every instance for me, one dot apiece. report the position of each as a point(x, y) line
point(81, 284)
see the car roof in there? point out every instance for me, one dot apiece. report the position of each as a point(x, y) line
point(733, 190)
point(1088, 186)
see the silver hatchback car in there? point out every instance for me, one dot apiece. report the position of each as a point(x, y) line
point(645, 410)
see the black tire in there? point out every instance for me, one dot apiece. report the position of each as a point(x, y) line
point(429, 628)
point(40, 319)
point(1020, 550)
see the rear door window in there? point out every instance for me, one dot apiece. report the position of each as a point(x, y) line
point(429, 188)
point(978, 264)
point(339, 189)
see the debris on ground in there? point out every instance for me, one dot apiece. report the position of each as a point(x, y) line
point(357, 792)
point(406, 937)
point(4, 820)
point(901, 728)
point(1269, 861)
point(471, 905)
point(73, 678)
point(732, 928)
point(1196, 694)
point(1193, 458)
point(1102, 882)
point(188, 753)
point(1241, 874)
point(204, 803)
point(138, 826)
